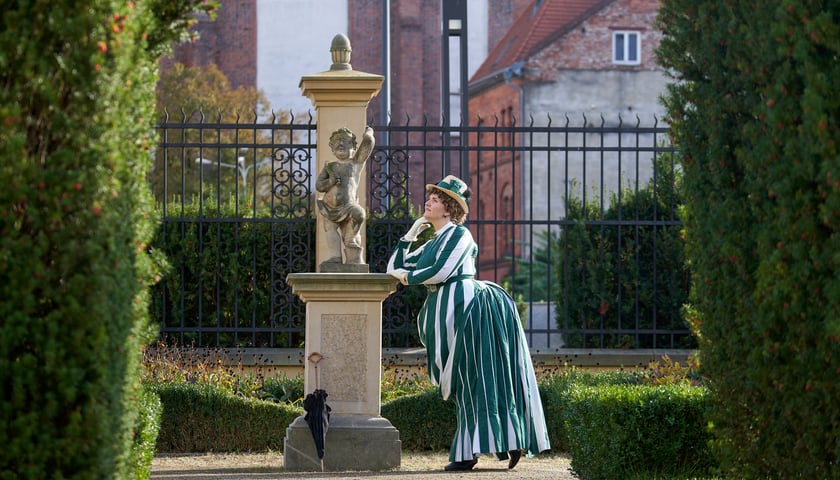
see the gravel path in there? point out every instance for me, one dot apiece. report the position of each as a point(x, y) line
point(417, 466)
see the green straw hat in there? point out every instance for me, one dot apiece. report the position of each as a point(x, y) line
point(454, 187)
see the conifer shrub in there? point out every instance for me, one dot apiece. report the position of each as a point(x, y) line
point(145, 433)
point(75, 135)
point(755, 111)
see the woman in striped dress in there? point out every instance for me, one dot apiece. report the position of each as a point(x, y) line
point(474, 340)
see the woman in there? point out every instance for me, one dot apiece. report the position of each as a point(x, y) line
point(474, 340)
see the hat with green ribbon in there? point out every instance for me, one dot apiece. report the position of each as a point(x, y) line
point(454, 187)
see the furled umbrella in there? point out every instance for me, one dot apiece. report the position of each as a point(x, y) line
point(317, 411)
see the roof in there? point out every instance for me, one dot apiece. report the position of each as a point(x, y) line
point(543, 22)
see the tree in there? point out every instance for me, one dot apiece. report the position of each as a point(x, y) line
point(75, 134)
point(203, 95)
point(756, 113)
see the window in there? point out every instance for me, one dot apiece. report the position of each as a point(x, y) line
point(627, 48)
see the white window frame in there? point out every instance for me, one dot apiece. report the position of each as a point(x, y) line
point(624, 44)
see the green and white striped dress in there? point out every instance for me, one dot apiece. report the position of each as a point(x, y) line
point(476, 348)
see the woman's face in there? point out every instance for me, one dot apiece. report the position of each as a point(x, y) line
point(435, 209)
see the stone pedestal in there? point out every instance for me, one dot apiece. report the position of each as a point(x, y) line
point(344, 326)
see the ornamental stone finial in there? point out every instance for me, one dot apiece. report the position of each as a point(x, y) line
point(340, 50)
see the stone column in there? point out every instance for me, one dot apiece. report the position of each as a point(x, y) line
point(343, 310)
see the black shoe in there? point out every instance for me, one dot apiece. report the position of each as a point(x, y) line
point(461, 466)
point(515, 455)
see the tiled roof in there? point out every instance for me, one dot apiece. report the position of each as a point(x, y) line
point(543, 22)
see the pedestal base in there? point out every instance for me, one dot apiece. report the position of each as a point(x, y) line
point(354, 442)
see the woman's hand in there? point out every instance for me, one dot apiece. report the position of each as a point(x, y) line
point(400, 274)
point(419, 226)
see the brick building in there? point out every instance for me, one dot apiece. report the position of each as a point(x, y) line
point(230, 42)
point(560, 60)
point(244, 30)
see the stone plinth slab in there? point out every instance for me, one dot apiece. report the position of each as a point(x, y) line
point(353, 442)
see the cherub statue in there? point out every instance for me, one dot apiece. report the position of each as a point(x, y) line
point(339, 205)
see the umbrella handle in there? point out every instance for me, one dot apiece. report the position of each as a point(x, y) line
point(315, 358)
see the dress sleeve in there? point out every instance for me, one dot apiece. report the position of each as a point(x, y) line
point(402, 258)
point(448, 258)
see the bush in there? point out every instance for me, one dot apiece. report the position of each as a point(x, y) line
point(554, 392)
point(425, 420)
point(145, 433)
point(220, 276)
point(614, 429)
point(221, 273)
point(75, 136)
point(618, 278)
point(207, 418)
point(756, 113)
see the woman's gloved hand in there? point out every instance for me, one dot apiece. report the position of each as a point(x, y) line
point(400, 274)
point(419, 226)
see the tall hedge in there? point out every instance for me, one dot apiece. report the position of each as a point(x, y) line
point(76, 105)
point(756, 112)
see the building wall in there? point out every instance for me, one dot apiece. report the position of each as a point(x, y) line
point(293, 40)
point(573, 80)
point(496, 179)
point(589, 45)
point(230, 42)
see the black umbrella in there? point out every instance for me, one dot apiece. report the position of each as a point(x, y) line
point(317, 411)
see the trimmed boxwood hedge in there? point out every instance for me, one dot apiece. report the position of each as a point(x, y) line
point(425, 420)
point(616, 429)
point(208, 418)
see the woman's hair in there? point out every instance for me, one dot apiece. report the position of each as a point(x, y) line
point(456, 213)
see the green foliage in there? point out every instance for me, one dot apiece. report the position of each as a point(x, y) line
point(200, 417)
point(532, 279)
point(287, 390)
point(221, 272)
point(409, 401)
point(614, 429)
point(554, 392)
point(198, 94)
point(756, 113)
point(425, 420)
point(617, 277)
point(75, 137)
point(145, 433)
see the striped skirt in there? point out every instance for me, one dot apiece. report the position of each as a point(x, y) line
point(479, 358)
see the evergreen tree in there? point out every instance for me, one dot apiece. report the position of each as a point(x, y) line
point(76, 112)
point(756, 113)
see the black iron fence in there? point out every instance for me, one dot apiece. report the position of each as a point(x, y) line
point(577, 219)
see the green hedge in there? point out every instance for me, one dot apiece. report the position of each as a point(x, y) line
point(145, 433)
point(554, 393)
point(425, 420)
point(617, 429)
point(755, 109)
point(207, 418)
point(220, 272)
point(76, 106)
point(608, 421)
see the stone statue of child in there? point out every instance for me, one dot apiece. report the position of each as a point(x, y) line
point(339, 205)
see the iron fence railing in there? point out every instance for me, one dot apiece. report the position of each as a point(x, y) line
point(579, 220)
